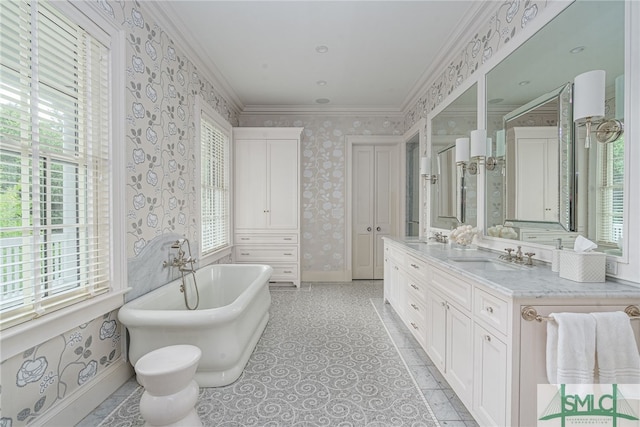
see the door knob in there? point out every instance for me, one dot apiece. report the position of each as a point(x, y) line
point(378, 229)
point(368, 228)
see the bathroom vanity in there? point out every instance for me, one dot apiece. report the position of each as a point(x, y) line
point(464, 308)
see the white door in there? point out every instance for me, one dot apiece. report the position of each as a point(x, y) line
point(375, 202)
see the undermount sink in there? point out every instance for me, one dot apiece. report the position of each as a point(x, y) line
point(488, 264)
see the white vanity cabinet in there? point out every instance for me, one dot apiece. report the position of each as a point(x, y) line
point(267, 199)
point(474, 333)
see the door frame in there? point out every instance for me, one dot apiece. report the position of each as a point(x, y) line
point(352, 140)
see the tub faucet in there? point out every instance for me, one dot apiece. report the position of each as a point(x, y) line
point(181, 259)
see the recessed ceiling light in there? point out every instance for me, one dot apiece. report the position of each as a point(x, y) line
point(321, 82)
point(322, 101)
point(524, 82)
point(577, 49)
point(322, 49)
point(495, 100)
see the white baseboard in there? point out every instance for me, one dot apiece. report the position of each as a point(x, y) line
point(73, 408)
point(326, 276)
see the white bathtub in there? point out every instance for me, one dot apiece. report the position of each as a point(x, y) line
point(233, 312)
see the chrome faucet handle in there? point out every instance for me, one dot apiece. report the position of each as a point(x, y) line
point(529, 258)
point(509, 250)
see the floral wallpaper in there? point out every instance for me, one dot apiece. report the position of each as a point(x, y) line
point(39, 378)
point(162, 84)
point(324, 180)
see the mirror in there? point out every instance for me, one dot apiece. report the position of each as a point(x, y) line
point(546, 185)
point(453, 196)
point(412, 179)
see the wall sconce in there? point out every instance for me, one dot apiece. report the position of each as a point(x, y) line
point(492, 161)
point(588, 107)
point(425, 169)
point(462, 152)
point(479, 149)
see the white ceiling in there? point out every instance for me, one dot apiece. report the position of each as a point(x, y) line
point(264, 52)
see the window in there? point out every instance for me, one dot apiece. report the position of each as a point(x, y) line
point(610, 192)
point(55, 207)
point(214, 182)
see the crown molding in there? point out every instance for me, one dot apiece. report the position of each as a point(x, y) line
point(164, 13)
point(477, 16)
point(309, 110)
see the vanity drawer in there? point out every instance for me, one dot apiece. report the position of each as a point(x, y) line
point(491, 310)
point(284, 272)
point(415, 319)
point(416, 289)
point(418, 268)
point(417, 308)
point(454, 288)
point(261, 239)
point(266, 254)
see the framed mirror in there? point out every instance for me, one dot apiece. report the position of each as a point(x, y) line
point(453, 195)
point(546, 185)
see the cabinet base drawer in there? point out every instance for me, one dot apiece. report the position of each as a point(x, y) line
point(284, 272)
point(454, 288)
point(266, 254)
point(262, 239)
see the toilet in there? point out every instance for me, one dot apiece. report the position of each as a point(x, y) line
point(170, 392)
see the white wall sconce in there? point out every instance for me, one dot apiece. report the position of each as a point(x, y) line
point(588, 107)
point(480, 149)
point(462, 152)
point(425, 170)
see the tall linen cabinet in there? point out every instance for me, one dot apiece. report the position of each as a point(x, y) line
point(267, 199)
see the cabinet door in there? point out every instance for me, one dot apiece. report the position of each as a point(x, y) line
point(282, 184)
point(250, 184)
point(490, 378)
point(459, 359)
point(436, 329)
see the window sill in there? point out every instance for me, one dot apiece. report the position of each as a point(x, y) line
point(215, 256)
point(19, 338)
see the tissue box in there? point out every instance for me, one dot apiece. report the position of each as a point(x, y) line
point(582, 266)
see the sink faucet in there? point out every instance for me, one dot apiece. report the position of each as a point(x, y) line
point(519, 257)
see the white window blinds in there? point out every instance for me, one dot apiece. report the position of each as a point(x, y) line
point(214, 179)
point(610, 193)
point(54, 162)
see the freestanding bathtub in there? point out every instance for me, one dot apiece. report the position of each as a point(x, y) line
point(233, 312)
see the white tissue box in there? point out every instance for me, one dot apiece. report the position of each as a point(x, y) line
point(582, 266)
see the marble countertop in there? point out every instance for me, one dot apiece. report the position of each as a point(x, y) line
point(513, 280)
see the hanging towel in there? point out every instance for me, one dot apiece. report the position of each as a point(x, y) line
point(616, 349)
point(571, 348)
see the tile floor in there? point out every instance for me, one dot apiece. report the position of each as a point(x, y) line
point(446, 405)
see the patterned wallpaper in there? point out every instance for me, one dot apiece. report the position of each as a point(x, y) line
point(324, 179)
point(38, 379)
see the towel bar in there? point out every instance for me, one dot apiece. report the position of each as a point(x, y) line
point(529, 313)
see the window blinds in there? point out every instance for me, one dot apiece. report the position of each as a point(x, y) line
point(610, 193)
point(54, 162)
point(214, 186)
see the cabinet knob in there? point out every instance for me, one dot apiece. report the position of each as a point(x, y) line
point(287, 271)
point(287, 254)
point(444, 304)
point(489, 309)
point(487, 338)
point(396, 267)
point(415, 287)
point(244, 253)
point(378, 229)
point(368, 228)
point(415, 307)
point(414, 325)
point(415, 266)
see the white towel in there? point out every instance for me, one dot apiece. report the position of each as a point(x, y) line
point(571, 348)
point(616, 349)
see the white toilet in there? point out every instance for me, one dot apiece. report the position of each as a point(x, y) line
point(170, 391)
